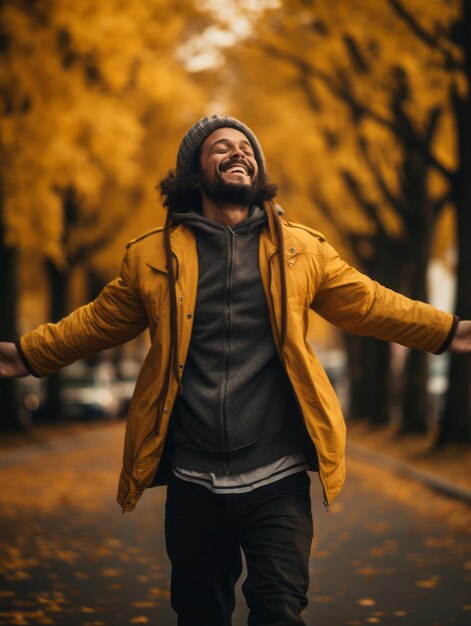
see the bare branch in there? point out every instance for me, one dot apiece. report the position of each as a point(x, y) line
point(393, 200)
point(427, 38)
point(439, 203)
point(339, 86)
point(370, 208)
point(421, 143)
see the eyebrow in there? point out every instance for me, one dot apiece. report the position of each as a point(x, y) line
point(227, 142)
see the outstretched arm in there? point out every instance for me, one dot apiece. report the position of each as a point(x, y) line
point(357, 304)
point(461, 342)
point(11, 364)
point(116, 316)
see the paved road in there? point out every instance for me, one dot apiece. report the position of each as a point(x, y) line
point(389, 552)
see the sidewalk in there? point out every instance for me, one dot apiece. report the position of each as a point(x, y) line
point(50, 438)
point(447, 471)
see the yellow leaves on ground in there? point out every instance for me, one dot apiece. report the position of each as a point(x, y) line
point(366, 602)
point(158, 592)
point(371, 572)
point(111, 572)
point(429, 583)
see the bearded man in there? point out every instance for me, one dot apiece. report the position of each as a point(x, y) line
point(231, 407)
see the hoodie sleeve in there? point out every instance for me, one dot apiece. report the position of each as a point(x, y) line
point(354, 302)
point(116, 316)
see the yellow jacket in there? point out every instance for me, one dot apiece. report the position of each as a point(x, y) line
point(316, 278)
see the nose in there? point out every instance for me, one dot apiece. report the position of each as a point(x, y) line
point(237, 152)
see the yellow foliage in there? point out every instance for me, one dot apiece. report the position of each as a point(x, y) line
point(93, 99)
point(294, 79)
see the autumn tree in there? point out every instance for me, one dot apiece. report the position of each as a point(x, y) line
point(91, 96)
point(453, 50)
point(374, 103)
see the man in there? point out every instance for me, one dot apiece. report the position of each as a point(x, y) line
point(231, 406)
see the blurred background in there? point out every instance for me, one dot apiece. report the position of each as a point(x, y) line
point(363, 111)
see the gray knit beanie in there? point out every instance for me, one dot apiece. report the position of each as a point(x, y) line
point(195, 136)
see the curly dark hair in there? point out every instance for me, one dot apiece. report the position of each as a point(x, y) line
point(182, 193)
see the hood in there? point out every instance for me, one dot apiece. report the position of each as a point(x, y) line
point(195, 219)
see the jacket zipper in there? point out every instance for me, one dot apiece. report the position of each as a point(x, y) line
point(227, 348)
point(281, 355)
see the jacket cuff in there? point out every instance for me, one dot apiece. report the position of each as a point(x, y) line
point(450, 336)
point(24, 359)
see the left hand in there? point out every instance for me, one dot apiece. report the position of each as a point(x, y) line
point(461, 342)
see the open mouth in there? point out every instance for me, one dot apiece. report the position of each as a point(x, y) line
point(236, 168)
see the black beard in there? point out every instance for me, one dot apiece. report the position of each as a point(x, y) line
point(224, 192)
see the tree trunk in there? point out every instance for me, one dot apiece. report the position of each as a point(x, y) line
point(415, 403)
point(94, 286)
point(9, 416)
point(455, 425)
point(369, 362)
point(58, 284)
point(456, 422)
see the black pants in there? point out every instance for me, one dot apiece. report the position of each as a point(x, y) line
point(205, 533)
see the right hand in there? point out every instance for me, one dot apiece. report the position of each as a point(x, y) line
point(11, 365)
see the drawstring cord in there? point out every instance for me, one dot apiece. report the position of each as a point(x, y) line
point(276, 228)
point(172, 293)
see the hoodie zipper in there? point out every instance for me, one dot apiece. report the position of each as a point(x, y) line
point(230, 235)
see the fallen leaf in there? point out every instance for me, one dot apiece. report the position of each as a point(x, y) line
point(439, 542)
point(142, 619)
point(159, 593)
point(111, 572)
point(366, 602)
point(431, 583)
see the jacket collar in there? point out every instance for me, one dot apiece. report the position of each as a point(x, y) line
point(293, 246)
point(182, 236)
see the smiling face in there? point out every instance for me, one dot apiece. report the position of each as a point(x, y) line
point(228, 170)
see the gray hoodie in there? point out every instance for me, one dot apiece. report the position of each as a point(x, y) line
point(237, 411)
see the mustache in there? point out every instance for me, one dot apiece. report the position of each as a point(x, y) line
point(233, 162)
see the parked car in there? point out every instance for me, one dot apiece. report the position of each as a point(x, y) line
point(437, 383)
point(89, 391)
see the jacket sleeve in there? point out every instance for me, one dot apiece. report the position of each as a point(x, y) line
point(116, 316)
point(351, 300)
